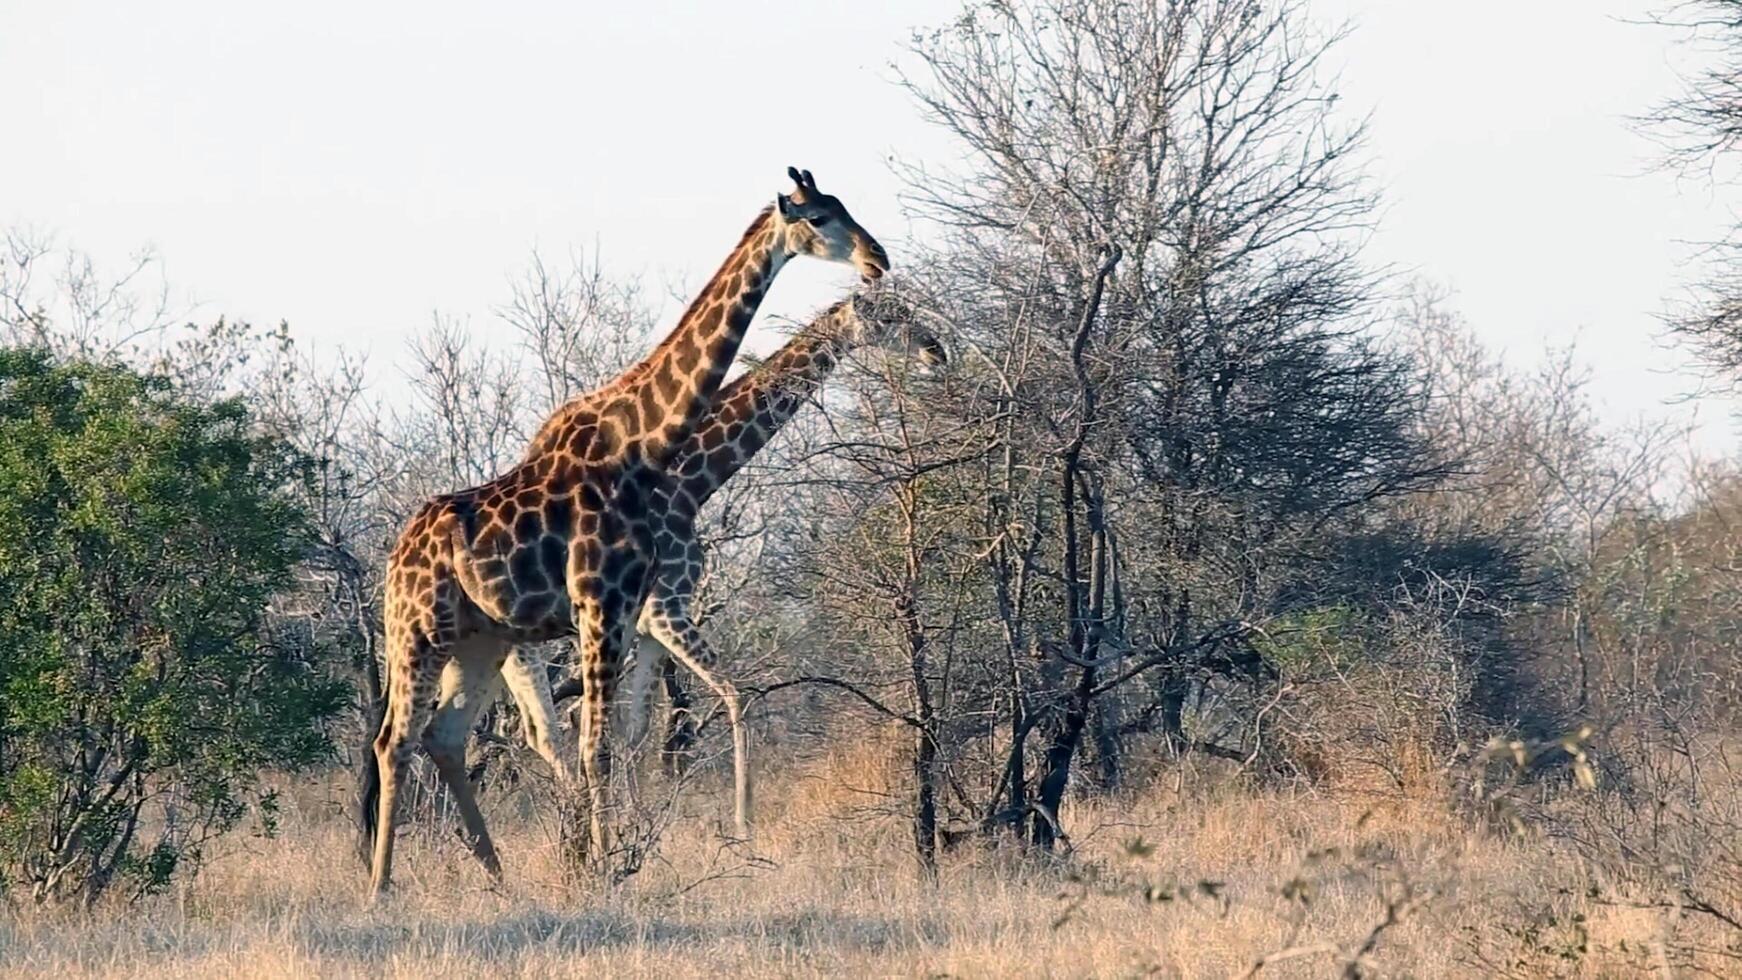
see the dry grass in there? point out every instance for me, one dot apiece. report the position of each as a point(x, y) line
point(1223, 877)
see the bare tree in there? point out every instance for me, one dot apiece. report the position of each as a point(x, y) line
point(1151, 257)
point(57, 297)
point(581, 325)
point(1700, 130)
point(467, 420)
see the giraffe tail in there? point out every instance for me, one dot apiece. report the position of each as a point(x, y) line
point(368, 812)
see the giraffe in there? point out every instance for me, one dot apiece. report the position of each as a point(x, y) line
point(562, 544)
point(745, 416)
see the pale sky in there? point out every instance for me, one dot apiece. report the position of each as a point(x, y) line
point(354, 167)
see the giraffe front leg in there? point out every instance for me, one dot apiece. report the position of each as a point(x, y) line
point(672, 627)
point(599, 640)
point(645, 658)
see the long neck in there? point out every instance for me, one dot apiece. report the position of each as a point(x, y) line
point(750, 410)
point(656, 404)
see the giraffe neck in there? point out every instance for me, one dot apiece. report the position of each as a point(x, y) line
point(750, 410)
point(655, 405)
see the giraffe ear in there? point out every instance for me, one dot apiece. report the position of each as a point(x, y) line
point(783, 204)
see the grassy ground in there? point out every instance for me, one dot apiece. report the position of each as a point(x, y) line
point(1171, 881)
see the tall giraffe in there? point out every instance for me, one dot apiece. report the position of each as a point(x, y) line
point(744, 417)
point(562, 544)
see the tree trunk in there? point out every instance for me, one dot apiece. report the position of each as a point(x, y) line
point(1174, 691)
point(1109, 752)
point(1084, 597)
point(1061, 748)
point(680, 723)
point(1014, 784)
point(925, 809)
point(925, 746)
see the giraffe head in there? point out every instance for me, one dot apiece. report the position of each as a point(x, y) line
point(884, 318)
point(814, 223)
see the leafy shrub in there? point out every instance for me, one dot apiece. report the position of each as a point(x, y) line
point(142, 537)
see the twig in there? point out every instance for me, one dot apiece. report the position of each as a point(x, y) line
point(1395, 912)
point(836, 682)
point(1291, 953)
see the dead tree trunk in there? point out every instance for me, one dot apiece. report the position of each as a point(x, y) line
point(925, 746)
point(1080, 503)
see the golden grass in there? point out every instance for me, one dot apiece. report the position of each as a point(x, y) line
point(829, 891)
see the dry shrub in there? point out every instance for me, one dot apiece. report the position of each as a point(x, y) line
point(1668, 834)
point(1366, 707)
point(860, 774)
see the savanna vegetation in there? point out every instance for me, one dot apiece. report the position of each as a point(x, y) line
point(1223, 607)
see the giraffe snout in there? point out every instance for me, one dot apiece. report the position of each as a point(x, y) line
point(872, 261)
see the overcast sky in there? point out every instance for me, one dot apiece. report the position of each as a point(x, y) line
point(353, 167)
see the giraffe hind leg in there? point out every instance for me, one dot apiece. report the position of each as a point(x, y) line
point(469, 682)
point(412, 660)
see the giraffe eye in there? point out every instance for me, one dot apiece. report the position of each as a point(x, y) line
point(817, 221)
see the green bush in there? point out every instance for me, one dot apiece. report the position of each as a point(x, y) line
point(142, 538)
